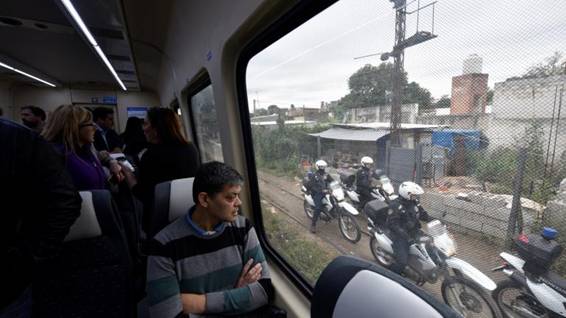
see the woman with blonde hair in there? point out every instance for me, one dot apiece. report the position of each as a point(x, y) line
point(71, 129)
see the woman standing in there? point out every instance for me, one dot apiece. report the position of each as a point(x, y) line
point(134, 139)
point(71, 129)
point(169, 156)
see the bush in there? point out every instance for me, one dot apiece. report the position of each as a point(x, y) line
point(305, 255)
point(280, 150)
point(500, 166)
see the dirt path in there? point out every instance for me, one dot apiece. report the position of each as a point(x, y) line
point(285, 195)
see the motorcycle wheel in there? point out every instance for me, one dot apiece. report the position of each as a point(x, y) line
point(468, 299)
point(349, 228)
point(309, 210)
point(381, 257)
point(515, 302)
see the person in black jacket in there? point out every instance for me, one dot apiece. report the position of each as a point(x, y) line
point(318, 185)
point(169, 156)
point(39, 205)
point(403, 221)
point(106, 138)
point(363, 180)
point(134, 139)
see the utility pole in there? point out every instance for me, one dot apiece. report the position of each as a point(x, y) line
point(515, 216)
point(398, 54)
point(398, 70)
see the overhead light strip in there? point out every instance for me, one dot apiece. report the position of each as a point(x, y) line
point(26, 74)
point(73, 12)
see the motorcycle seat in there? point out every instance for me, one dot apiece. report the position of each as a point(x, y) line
point(556, 281)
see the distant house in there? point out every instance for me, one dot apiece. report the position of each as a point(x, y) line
point(370, 139)
point(382, 113)
point(307, 114)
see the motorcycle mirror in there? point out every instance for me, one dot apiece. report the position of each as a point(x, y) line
point(352, 287)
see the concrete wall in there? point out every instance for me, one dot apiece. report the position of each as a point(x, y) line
point(482, 215)
point(14, 97)
point(462, 121)
point(528, 98)
point(555, 213)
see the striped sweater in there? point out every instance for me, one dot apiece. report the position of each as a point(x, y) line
point(186, 259)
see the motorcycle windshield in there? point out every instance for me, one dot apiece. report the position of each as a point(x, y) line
point(334, 185)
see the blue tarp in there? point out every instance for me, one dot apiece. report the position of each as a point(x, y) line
point(473, 139)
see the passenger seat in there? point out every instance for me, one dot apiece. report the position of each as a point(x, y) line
point(92, 276)
point(351, 287)
point(172, 200)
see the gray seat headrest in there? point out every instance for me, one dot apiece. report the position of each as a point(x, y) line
point(86, 225)
point(180, 197)
point(352, 287)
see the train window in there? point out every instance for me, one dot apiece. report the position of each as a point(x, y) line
point(464, 100)
point(205, 124)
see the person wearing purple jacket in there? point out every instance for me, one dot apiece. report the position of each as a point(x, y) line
point(71, 129)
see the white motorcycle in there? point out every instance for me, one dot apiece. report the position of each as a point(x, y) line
point(526, 294)
point(334, 207)
point(464, 288)
point(383, 192)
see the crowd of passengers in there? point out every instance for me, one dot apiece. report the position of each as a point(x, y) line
point(207, 262)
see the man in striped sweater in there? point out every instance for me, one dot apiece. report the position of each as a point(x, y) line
point(208, 262)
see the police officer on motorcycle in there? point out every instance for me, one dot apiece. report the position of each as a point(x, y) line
point(403, 218)
point(319, 181)
point(363, 180)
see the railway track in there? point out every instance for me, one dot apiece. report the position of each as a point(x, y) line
point(300, 222)
point(300, 197)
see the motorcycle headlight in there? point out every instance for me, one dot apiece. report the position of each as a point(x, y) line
point(446, 244)
point(388, 188)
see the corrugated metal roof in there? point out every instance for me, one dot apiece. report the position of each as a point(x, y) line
point(338, 133)
point(287, 122)
point(387, 126)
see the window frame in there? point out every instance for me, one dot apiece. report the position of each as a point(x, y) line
point(200, 83)
point(295, 17)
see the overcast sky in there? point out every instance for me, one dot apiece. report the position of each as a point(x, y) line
point(313, 63)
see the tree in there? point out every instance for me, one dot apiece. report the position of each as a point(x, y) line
point(552, 65)
point(489, 97)
point(371, 86)
point(272, 109)
point(443, 102)
point(261, 112)
point(414, 93)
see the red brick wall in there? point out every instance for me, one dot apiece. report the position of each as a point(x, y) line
point(469, 94)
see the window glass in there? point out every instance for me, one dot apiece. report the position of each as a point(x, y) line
point(205, 123)
point(468, 104)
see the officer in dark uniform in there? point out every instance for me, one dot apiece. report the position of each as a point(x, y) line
point(363, 181)
point(403, 221)
point(319, 181)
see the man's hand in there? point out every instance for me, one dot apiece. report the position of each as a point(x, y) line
point(193, 303)
point(248, 275)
